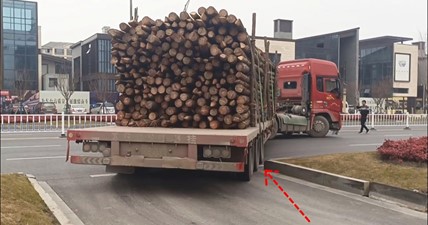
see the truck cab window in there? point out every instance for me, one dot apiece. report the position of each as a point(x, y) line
point(290, 85)
point(320, 84)
point(331, 85)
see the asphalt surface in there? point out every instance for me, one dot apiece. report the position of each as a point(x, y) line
point(192, 197)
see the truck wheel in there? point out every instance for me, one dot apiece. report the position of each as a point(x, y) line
point(249, 167)
point(320, 127)
point(275, 128)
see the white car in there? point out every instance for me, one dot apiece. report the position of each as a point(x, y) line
point(100, 108)
point(77, 109)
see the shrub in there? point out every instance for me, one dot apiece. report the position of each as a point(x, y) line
point(412, 149)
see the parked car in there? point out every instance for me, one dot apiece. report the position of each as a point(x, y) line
point(77, 109)
point(18, 108)
point(45, 108)
point(100, 108)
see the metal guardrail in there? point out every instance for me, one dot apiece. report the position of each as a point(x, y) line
point(60, 122)
point(53, 122)
point(375, 120)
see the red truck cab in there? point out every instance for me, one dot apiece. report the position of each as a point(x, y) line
point(309, 90)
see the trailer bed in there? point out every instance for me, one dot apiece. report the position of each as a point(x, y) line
point(236, 137)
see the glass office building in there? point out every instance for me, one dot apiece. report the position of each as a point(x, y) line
point(19, 43)
point(96, 56)
point(376, 62)
point(92, 67)
point(340, 48)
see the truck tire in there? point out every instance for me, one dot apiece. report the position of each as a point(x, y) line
point(320, 127)
point(249, 167)
point(275, 128)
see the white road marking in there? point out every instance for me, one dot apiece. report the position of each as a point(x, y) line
point(31, 158)
point(371, 144)
point(102, 175)
point(32, 146)
point(397, 135)
point(29, 138)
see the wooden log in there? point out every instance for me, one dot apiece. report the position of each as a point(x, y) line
point(171, 111)
point(214, 124)
point(214, 50)
point(242, 67)
point(224, 110)
point(153, 116)
point(232, 59)
point(127, 101)
point(178, 103)
point(152, 39)
point(201, 102)
point(173, 17)
point(203, 125)
point(231, 19)
point(244, 124)
point(173, 119)
point(120, 106)
point(151, 105)
point(205, 110)
point(115, 33)
point(223, 101)
point(241, 89)
point(120, 88)
point(240, 108)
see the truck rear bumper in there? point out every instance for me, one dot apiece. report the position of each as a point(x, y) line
point(164, 162)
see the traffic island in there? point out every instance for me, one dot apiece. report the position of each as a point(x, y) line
point(362, 173)
point(21, 204)
point(24, 200)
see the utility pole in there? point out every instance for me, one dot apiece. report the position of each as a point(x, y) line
point(130, 11)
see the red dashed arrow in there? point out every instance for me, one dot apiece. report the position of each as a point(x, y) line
point(268, 175)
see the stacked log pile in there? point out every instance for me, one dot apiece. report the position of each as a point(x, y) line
point(190, 70)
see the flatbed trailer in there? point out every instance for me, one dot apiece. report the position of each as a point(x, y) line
point(122, 149)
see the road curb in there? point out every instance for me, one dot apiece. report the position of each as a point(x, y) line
point(60, 210)
point(343, 183)
point(410, 199)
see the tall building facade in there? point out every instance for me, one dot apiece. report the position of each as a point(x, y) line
point(389, 69)
point(19, 45)
point(92, 68)
point(340, 48)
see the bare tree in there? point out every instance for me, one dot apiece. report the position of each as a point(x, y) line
point(100, 86)
point(22, 83)
point(22, 80)
point(67, 89)
point(381, 91)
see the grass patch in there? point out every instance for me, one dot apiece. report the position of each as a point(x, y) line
point(368, 166)
point(21, 204)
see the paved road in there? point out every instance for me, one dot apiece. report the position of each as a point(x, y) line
point(182, 197)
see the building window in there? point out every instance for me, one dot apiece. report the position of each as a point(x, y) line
point(290, 85)
point(68, 51)
point(275, 58)
point(53, 82)
point(59, 51)
point(320, 86)
point(401, 90)
point(45, 69)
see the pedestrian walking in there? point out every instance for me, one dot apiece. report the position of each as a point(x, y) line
point(364, 111)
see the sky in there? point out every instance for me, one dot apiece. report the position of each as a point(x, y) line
point(76, 20)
